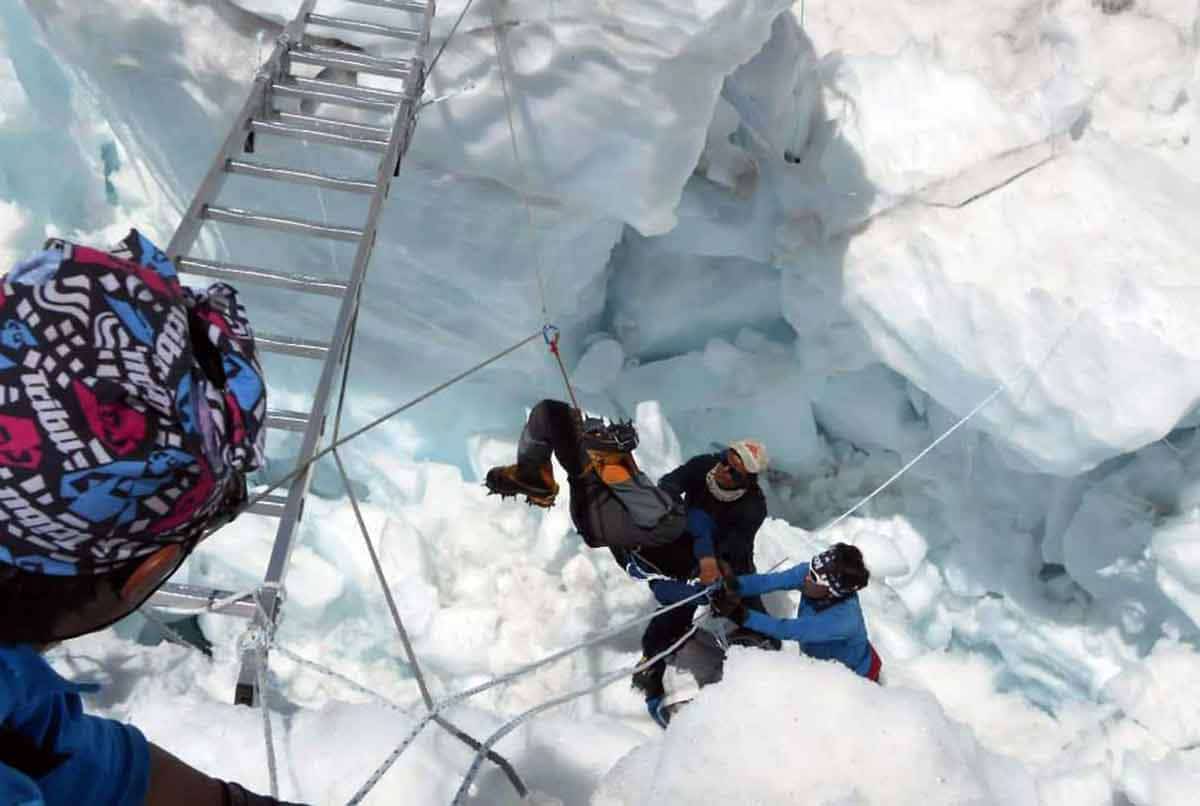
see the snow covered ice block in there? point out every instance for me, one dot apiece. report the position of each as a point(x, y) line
point(1089, 317)
point(812, 732)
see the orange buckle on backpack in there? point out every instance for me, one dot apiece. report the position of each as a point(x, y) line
point(613, 467)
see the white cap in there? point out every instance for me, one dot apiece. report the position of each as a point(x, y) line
point(752, 453)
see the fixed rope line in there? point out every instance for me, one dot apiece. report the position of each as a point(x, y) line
point(446, 41)
point(455, 699)
point(522, 175)
point(382, 419)
point(961, 422)
point(550, 333)
point(508, 677)
point(272, 771)
point(383, 583)
point(517, 721)
point(503, 57)
point(414, 664)
point(1033, 372)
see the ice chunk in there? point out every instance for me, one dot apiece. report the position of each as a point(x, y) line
point(572, 75)
point(1157, 694)
point(664, 303)
point(1080, 344)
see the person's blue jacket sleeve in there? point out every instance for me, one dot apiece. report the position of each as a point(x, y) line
point(670, 591)
point(786, 629)
point(702, 528)
point(18, 789)
point(103, 762)
point(789, 579)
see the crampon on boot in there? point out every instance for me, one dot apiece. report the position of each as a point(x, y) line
point(538, 486)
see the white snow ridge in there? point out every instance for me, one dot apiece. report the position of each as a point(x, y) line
point(836, 226)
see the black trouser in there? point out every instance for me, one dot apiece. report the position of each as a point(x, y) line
point(602, 520)
point(551, 428)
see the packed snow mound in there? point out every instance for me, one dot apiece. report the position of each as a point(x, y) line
point(1088, 318)
point(781, 728)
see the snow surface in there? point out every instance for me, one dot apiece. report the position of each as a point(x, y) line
point(835, 227)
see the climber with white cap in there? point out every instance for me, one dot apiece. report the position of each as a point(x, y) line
point(725, 508)
point(697, 523)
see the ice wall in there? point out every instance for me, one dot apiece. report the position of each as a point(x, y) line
point(835, 232)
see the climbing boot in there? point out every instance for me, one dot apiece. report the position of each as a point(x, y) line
point(536, 484)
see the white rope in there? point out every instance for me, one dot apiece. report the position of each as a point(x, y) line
point(1033, 372)
point(502, 54)
point(520, 671)
point(261, 494)
point(511, 725)
point(266, 716)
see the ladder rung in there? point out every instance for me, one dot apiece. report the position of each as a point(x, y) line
point(249, 274)
point(193, 599)
point(286, 345)
point(318, 136)
point(272, 505)
point(363, 27)
point(299, 177)
point(286, 420)
point(334, 125)
point(229, 215)
point(314, 45)
point(365, 64)
point(333, 92)
point(291, 90)
point(395, 5)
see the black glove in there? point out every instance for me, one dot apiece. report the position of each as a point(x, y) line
point(728, 604)
point(235, 795)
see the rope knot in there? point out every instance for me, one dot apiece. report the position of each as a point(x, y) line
point(254, 639)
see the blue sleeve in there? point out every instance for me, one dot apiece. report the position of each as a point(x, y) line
point(106, 763)
point(785, 629)
point(790, 579)
point(109, 763)
point(701, 526)
point(670, 591)
point(830, 625)
point(18, 789)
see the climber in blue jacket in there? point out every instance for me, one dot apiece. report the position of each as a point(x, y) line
point(829, 623)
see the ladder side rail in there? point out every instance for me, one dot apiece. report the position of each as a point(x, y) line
point(347, 314)
point(189, 225)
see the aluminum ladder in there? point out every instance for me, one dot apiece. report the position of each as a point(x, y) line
point(304, 41)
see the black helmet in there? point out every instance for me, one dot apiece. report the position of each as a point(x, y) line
point(840, 568)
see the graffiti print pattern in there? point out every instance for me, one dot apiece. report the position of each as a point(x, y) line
point(131, 407)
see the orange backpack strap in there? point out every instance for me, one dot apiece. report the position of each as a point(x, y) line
point(613, 467)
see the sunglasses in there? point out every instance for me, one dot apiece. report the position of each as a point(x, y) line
point(736, 474)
